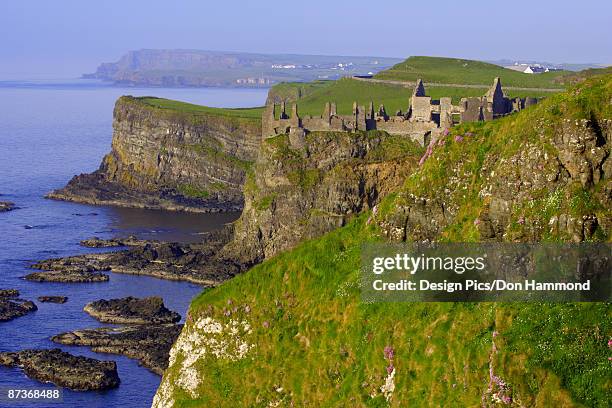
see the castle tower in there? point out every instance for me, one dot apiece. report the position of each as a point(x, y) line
point(327, 112)
point(294, 120)
point(495, 96)
point(419, 89)
point(420, 104)
point(268, 120)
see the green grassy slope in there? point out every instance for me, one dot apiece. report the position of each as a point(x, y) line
point(184, 107)
point(462, 71)
point(345, 91)
point(316, 344)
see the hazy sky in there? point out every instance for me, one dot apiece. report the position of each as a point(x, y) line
point(64, 38)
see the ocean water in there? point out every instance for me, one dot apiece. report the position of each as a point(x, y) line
point(50, 131)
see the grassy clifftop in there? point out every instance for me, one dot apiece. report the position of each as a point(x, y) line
point(395, 97)
point(292, 331)
point(177, 107)
point(462, 71)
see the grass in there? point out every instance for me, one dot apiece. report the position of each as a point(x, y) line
point(321, 346)
point(161, 103)
point(462, 71)
point(192, 191)
point(395, 97)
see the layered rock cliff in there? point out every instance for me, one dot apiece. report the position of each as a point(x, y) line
point(299, 190)
point(171, 156)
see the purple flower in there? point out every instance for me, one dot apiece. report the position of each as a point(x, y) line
point(266, 324)
point(458, 138)
point(610, 343)
point(445, 132)
point(477, 221)
point(390, 368)
point(389, 353)
point(521, 220)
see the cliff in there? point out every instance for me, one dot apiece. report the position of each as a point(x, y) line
point(299, 190)
point(172, 155)
point(196, 68)
point(293, 331)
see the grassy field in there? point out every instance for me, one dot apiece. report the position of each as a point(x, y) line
point(394, 97)
point(461, 71)
point(160, 103)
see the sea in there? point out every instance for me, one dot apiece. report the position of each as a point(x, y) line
point(51, 130)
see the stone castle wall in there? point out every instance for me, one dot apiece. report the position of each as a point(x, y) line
point(425, 118)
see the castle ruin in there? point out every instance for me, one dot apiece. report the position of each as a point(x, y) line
point(424, 118)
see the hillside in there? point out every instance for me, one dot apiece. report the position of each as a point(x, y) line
point(196, 68)
point(572, 78)
point(292, 331)
point(462, 71)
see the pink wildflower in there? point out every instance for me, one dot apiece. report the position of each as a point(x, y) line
point(390, 368)
point(445, 132)
point(266, 324)
point(610, 343)
point(521, 220)
point(458, 138)
point(477, 221)
point(389, 353)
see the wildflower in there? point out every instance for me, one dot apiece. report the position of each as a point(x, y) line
point(610, 343)
point(266, 324)
point(445, 132)
point(458, 138)
point(390, 368)
point(389, 353)
point(247, 309)
point(477, 222)
point(521, 220)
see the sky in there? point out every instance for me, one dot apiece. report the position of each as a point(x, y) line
point(65, 38)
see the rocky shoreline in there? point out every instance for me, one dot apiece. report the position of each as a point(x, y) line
point(95, 189)
point(201, 263)
point(150, 344)
point(64, 369)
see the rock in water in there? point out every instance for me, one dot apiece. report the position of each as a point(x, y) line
point(64, 369)
point(11, 306)
point(131, 310)
point(150, 344)
point(53, 299)
point(6, 206)
point(4, 293)
point(130, 241)
point(67, 277)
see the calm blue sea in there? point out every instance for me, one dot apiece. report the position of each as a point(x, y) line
point(50, 131)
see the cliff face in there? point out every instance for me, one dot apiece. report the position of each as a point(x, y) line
point(299, 191)
point(171, 159)
point(542, 175)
